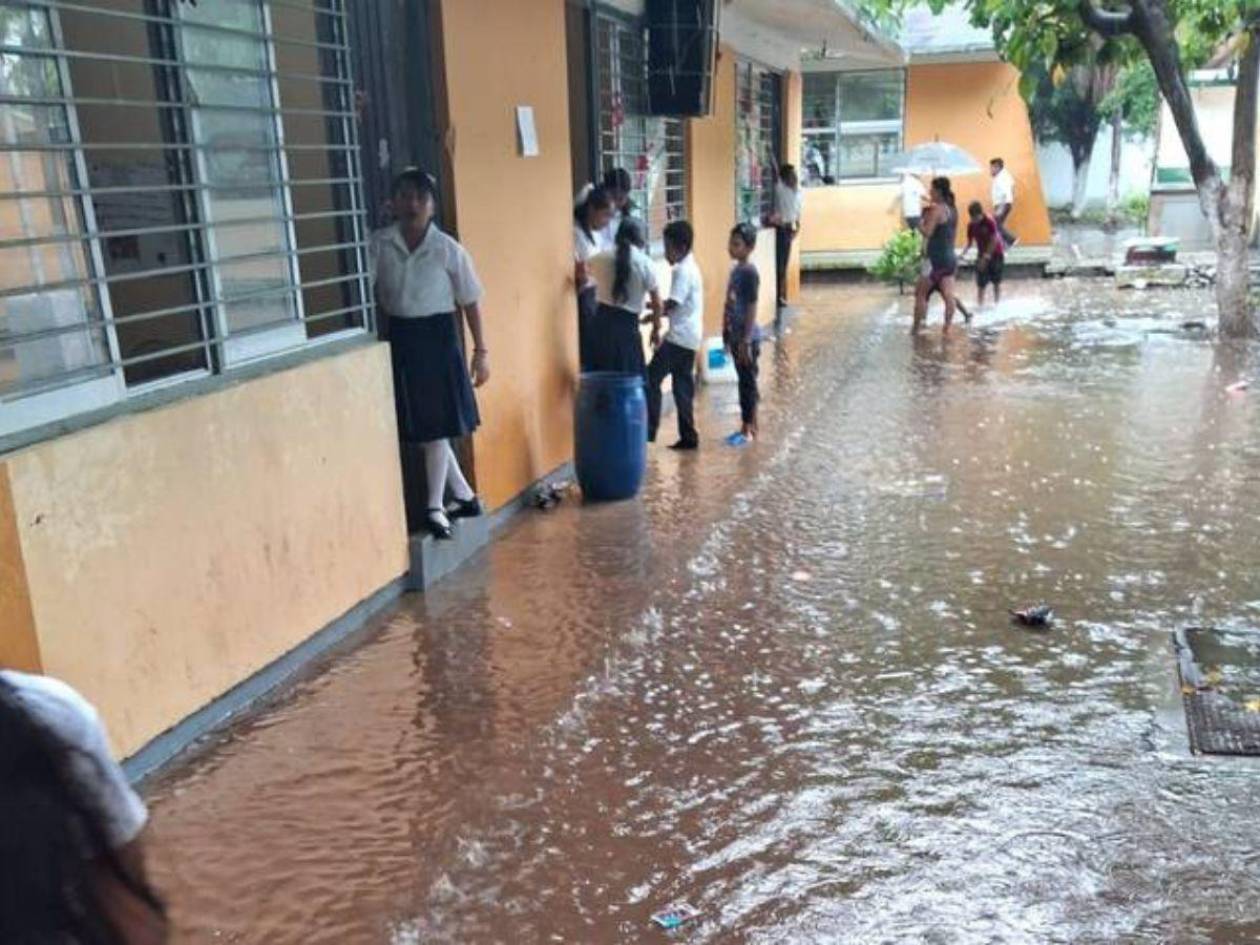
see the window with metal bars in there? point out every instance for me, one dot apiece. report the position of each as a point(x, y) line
point(851, 124)
point(758, 133)
point(179, 194)
point(651, 148)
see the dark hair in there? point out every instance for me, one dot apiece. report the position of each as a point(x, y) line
point(618, 179)
point(787, 174)
point(423, 182)
point(54, 841)
point(943, 187)
point(747, 233)
point(680, 235)
point(596, 199)
point(975, 208)
point(997, 162)
point(629, 236)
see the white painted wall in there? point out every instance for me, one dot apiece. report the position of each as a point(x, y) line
point(1136, 158)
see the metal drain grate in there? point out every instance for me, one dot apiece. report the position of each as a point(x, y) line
point(1217, 723)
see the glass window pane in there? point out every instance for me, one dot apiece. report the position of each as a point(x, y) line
point(51, 334)
point(870, 96)
point(818, 103)
point(867, 155)
point(819, 158)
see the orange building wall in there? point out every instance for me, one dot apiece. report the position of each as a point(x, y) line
point(976, 106)
point(793, 88)
point(711, 187)
point(512, 215)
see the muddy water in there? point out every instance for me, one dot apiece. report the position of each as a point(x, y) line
point(783, 687)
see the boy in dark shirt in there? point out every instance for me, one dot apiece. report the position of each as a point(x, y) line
point(740, 331)
point(985, 234)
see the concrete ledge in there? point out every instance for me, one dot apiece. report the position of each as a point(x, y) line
point(860, 259)
point(247, 695)
point(432, 560)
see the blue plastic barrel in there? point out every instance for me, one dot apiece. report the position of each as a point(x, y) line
point(610, 429)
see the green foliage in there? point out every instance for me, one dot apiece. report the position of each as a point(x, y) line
point(898, 263)
point(1069, 111)
point(1136, 209)
point(1136, 97)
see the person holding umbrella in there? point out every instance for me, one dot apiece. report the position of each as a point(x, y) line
point(940, 232)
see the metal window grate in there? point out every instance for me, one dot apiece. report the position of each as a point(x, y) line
point(179, 194)
point(758, 122)
point(651, 148)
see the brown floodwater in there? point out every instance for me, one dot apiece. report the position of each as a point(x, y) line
point(783, 686)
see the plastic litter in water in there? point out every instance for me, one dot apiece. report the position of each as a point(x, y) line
point(1237, 387)
point(1038, 616)
point(675, 916)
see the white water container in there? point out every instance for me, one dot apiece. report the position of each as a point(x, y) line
point(716, 365)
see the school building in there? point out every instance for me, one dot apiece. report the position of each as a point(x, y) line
point(200, 479)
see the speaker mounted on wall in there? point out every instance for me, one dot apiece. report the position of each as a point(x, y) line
point(682, 50)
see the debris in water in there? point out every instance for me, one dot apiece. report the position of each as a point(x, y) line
point(1194, 325)
point(737, 439)
point(1237, 387)
point(675, 916)
point(550, 494)
point(1039, 616)
point(802, 576)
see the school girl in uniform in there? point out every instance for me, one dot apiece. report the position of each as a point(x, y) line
point(590, 216)
point(424, 279)
point(624, 279)
point(617, 184)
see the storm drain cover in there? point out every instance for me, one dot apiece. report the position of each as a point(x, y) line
point(1220, 687)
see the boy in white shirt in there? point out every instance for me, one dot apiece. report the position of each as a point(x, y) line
point(676, 355)
point(1003, 194)
point(913, 196)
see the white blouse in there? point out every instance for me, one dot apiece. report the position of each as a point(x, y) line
point(603, 269)
point(432, 280)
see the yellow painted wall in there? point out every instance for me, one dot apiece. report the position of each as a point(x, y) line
point(513, 217)
point(976, 106)
point(172, 553)
point(793, 89)
point(711, 187)
point(19, 649)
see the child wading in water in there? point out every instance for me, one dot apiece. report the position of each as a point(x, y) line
point(740, 331)
point(424, 281)
point(676, 356)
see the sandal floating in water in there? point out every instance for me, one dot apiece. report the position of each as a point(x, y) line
point(675, 916)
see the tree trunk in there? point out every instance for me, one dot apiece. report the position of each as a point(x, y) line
point(1080, 188)
point(1237, 213)
point(1113, 181)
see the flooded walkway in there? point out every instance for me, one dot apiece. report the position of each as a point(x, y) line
point(784, 687)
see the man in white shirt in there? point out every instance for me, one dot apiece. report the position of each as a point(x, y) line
point(913, 196)
point(676, 355)
point(1003, 194)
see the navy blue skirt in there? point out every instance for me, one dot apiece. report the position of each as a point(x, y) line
point(615, 342)
point(432, 390)
point(588, 311)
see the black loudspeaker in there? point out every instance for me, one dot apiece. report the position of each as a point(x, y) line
point(682, 47)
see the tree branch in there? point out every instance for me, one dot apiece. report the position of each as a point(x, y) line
point(1106, 22)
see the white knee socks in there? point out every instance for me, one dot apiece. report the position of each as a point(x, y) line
point(442, 471)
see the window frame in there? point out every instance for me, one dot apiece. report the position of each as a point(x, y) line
point(838, 130)
point(29, 407)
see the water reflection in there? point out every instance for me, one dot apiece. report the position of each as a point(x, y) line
point(784, 687)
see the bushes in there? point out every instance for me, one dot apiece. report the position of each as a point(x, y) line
point(898, 263)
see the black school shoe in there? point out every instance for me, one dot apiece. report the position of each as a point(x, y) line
point(467, 508)
point(686, 445)
point(437, 526)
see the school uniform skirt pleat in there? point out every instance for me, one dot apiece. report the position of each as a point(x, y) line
point(615, 342)
point(432, 390)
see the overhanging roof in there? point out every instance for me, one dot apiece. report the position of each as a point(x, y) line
point(817, 26)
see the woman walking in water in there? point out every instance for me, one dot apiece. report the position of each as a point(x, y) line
point(940, 231)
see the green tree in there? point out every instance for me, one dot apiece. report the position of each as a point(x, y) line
point(1058, 34)
point(1067, 107)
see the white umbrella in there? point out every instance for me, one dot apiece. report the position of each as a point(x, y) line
point(936, 158)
